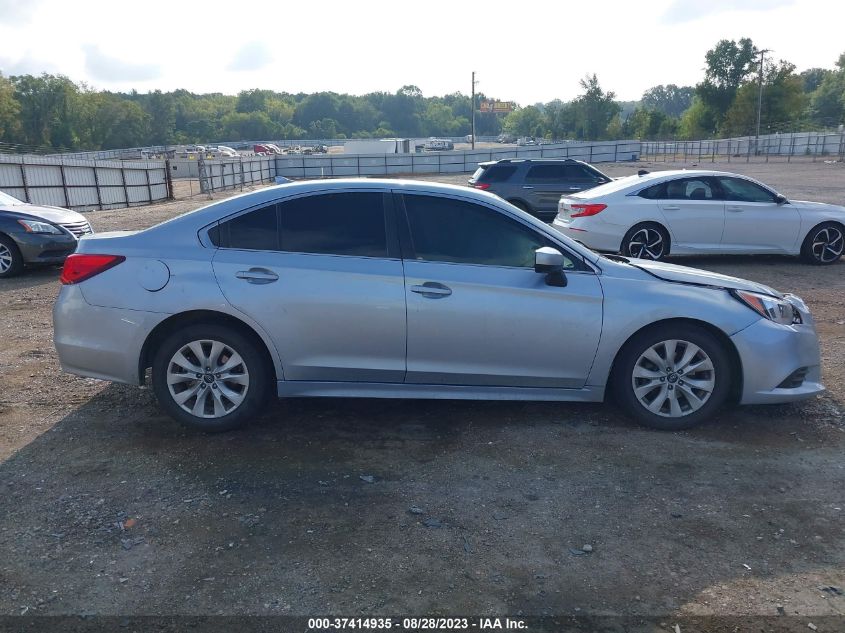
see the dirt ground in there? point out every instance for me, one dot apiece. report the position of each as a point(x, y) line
point(108, 507)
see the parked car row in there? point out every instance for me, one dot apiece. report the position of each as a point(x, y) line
point(652, 215)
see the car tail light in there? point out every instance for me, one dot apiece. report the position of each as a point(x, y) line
point(80, 267)
point(482, 185)
point(583, 210)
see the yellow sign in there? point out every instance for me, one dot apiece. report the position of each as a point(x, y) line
point(496, 106)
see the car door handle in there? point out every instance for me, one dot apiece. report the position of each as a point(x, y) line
point(432, 290)
point(672, 208)
point(257, 275)
point(527, 187)
point(735, 209)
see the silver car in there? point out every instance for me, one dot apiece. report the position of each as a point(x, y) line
point(408, 289)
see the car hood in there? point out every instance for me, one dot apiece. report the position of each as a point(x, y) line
point(695, 276)
point(817, 206)
point(56, 215)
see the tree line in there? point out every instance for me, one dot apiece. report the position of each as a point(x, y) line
point(723, 104)
point(52, 111)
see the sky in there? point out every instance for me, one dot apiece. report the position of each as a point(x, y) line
point(526, 51)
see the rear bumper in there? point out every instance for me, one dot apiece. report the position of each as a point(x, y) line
point(592, 236)
point(771, 353)
point(99, 342)
point(38, 248)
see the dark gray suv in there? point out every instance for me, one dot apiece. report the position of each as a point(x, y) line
point(536, 185)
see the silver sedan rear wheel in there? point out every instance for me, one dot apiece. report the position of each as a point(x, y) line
point(645, 242)
point(207, 378)
point(673, 378)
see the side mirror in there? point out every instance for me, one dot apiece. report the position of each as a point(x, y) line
point(550, 261)
point(781, 199)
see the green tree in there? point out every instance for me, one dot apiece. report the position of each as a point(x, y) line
point(670, 99)
point(827, 103)
point(10, 109)
point(783, 101)
point(699, 121)
point(729, 63)
point(594, 110)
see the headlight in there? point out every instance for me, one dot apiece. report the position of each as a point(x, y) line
point(34, 226)
point(772, 308)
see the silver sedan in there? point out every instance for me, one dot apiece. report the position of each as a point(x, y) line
point(407, 289)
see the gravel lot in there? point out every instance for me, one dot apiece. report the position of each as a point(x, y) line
point(108, 507)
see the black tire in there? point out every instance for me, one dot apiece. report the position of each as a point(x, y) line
point(638, 244)
point(11, 262)
point(824, 244)
point(253, 366)
point(623, 380)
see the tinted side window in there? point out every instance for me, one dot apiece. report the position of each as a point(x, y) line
point(741, 190)
point(498, 173)
point(690, 189)
point(334, 224)
point(546, 173)
point(579, 172)
point(655, 192)
point(445, 230)
point(255, 231)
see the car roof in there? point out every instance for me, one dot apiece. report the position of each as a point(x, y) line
point(528, 160)
point(215, 210)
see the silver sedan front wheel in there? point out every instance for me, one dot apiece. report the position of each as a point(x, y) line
point(673, 375)
point(207, 378)
point(673, 378)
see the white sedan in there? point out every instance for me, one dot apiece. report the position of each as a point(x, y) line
point(700, 212)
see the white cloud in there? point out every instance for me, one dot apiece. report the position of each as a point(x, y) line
point(251, 56)
point(110, 69)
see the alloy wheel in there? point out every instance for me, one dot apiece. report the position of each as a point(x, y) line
point(646, 243)
point(5, 258)
point(673, 378)
point(207, 378)
point(828, 245)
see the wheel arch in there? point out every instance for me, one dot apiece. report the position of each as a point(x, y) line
point(650, 223)
point(802, 239)
point(736, 386)
point(193, 317)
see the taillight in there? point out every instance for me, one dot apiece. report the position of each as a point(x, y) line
point(583, 210)
point(482, 185)
point(81, 266)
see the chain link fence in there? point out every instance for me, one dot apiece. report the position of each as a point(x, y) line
point(809, 146)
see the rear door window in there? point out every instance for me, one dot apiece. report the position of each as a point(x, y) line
point(350, 223)
point(546, 173)
point(254, 231)
point(691, 189)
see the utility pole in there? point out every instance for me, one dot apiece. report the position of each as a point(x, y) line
point(472, 105)
point(760, 100)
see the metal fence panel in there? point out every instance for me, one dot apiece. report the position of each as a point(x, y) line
point(82, 184)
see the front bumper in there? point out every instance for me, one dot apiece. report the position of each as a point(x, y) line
point(43, 248)
point(99, 342)
point(772, 353)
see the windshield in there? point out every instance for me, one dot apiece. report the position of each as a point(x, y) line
point(5, 198)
